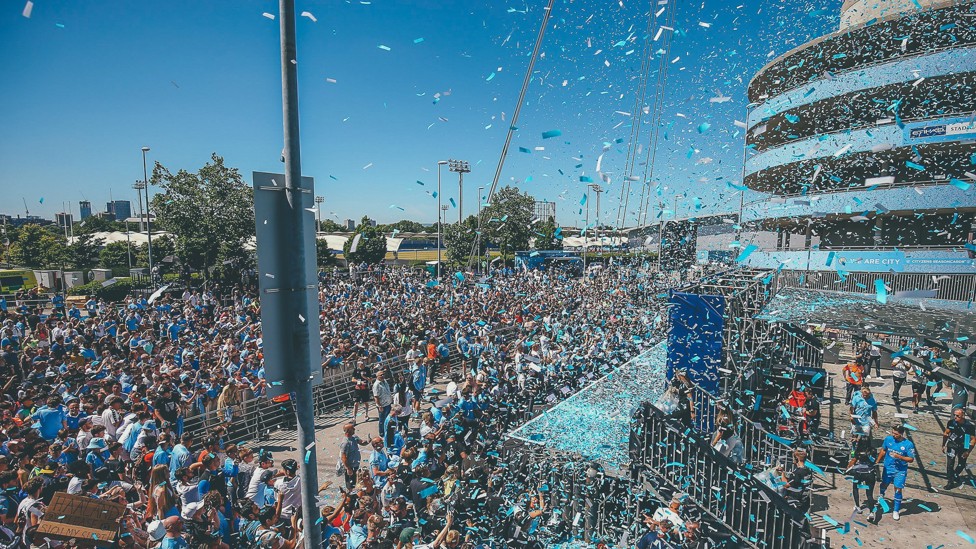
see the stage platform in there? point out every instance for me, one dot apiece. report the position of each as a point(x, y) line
point(595, 423)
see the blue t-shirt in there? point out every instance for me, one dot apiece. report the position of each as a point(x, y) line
point(174, 543)
point(49, 422)
point(903, 447)
point(863, 408)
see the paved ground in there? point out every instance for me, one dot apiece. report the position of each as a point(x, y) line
point(930, 517)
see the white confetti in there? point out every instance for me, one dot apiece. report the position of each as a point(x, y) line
point(269, 15)
point(28, 8)
point(310, 16)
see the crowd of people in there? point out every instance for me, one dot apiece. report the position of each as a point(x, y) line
point(97, 395)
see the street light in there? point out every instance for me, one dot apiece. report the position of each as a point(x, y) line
point(439, 164)
point(145, 179)
point(597, 189)
point(461, 167)
point(477, 237)
point(318, 204)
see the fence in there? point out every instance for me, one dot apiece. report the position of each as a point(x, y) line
point(670, 455)
point(958, 287)
point(256, 417)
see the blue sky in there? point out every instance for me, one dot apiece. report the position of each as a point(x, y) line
point(87, 84)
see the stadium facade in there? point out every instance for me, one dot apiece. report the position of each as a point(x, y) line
point(866, 141)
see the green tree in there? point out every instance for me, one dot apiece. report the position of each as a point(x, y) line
point(211, 213)
point(164, 246)
point(36, 247)
point(98, 224)
point(545, 236)
point(115, 256)
point(329, 226)
point(371, 248)
point(403, 226)
point(459, 240)
point(84, 252)
point(509, 218)
point(323, 254)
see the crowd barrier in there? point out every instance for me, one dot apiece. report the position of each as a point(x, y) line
point(254, 418)
point(675, 457)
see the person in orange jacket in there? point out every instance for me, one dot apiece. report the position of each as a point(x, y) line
point(854, 376)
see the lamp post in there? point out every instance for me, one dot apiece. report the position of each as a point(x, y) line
point(598, 190)
point(439, 164)
point(139, 186)
point(477, 236)
point(145, 179)
point(318, 204)
point(461, 167)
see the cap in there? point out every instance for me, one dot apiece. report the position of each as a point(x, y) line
point(289, 465)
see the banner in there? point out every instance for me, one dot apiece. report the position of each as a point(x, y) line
point(695, 338)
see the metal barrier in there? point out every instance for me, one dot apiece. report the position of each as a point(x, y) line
point(664, 453)
point(256, 417)
point(958, 287)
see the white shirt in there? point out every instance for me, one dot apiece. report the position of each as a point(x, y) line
point(289, 493)
point(252, 486)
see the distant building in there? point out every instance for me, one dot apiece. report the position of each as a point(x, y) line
point(21, 221)
point(544, 210)
point(372, 222)
point(63, 219)
point(349, 224)
point(85, 207)
point(119, 210)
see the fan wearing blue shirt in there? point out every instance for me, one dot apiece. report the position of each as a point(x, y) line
point(50, 419)
point(897, 452)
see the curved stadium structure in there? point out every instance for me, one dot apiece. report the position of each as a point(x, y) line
point(867, 139)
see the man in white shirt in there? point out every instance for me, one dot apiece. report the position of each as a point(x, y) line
point(383, 397)
point(288, 490)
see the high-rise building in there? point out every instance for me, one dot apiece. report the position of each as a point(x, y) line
point(349, 224)
point(866, 138)
point(63, 219)
point(120, 210)
point(85, 209)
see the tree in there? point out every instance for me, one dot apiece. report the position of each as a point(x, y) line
point(84, 252)
point(211, 213)
point(371, 248)
point(323, 254)
point(545, 236)
point(98, 224)
point(115, 256)
point(163, 247)
point(459, 239)
point(36, 247)
point(329, 226)
point(403, 226)
point(509, 220)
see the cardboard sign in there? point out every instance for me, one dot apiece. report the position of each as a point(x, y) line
point(90, 522)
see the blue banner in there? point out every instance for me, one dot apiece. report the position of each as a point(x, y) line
point(695, 338)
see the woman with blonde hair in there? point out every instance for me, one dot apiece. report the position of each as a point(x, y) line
point(163, 498)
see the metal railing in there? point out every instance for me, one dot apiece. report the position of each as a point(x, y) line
point(254, 418)
point(957, 287)
point(667, 454)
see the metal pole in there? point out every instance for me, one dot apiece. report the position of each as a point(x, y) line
point(477, 236)
point(145, 179)
point(439, 164)
point(583, 234)
point(295, 304)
